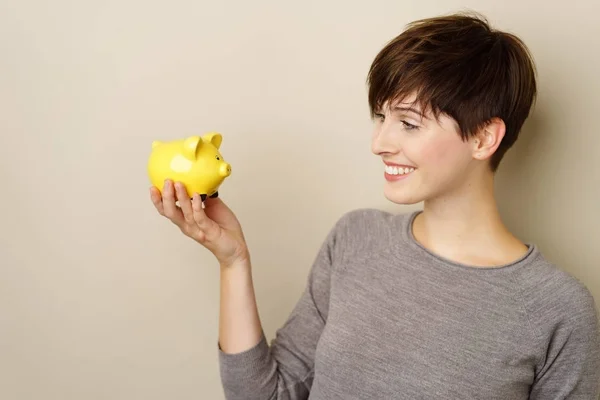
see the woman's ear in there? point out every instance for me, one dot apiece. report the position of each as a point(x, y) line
point(487, 140)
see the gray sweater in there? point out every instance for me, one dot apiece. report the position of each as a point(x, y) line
point(384, 318)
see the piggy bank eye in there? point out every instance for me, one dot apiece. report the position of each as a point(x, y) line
point(218, 158)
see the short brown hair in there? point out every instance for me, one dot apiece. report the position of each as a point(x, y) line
point(458, 65)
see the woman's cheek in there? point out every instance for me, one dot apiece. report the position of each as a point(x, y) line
point(439, 152)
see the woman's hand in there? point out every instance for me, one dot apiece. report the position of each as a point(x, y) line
point(215, 226)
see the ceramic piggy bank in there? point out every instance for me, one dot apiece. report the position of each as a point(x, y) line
point(194, 161)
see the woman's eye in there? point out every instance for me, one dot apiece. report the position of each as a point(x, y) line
point(379, 116)
point(408, 126)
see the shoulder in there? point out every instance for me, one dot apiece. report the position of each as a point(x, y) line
point(552, 288)
point(565, 320)
point(367, 230)
point(372, 217)
point(363, 216)
point(557, 299)
point(365, 222)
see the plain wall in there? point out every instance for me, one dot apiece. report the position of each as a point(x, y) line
point(101, 298)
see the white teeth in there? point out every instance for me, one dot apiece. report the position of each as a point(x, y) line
point(398, 170)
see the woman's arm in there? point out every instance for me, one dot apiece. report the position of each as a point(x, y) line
point(239, 323)
point(251, 368)
point(283, 369)
point(570, 322)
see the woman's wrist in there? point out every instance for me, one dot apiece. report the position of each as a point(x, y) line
point(238, 263)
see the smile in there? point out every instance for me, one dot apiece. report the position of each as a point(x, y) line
point(393, 170)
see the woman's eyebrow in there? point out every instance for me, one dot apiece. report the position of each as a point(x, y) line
point(410, 109)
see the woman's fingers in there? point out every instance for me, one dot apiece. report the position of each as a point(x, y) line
point(170, 209)
point(213, 226)
point(189, 216)
point(208, 227)
point(156, 200)
point(184, 203)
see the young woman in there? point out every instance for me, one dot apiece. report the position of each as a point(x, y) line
point(444, 303)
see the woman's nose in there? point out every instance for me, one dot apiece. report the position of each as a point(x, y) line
point(382, 141)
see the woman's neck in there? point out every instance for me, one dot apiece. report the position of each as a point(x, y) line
point(466, 227)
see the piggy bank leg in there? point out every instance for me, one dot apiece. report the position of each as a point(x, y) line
point(214, 195)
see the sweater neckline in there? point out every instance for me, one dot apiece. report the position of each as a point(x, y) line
point(407, 233)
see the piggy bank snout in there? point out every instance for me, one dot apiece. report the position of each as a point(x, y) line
point(225, 169)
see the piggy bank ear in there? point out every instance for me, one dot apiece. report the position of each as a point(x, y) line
point(215, 138)
point(190, 147)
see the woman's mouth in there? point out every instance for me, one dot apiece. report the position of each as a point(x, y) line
point(397, 172)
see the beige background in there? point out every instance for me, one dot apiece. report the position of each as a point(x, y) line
point(100, 298)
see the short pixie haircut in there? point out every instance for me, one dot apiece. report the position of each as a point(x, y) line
point(459, 66)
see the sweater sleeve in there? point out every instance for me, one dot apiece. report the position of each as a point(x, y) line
point(571, 367)
point(284, 370)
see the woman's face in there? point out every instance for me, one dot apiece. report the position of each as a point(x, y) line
point(424, 158)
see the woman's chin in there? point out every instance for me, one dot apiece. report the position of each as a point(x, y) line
point(399, 196)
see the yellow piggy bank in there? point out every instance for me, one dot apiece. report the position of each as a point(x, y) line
point(195, 161)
